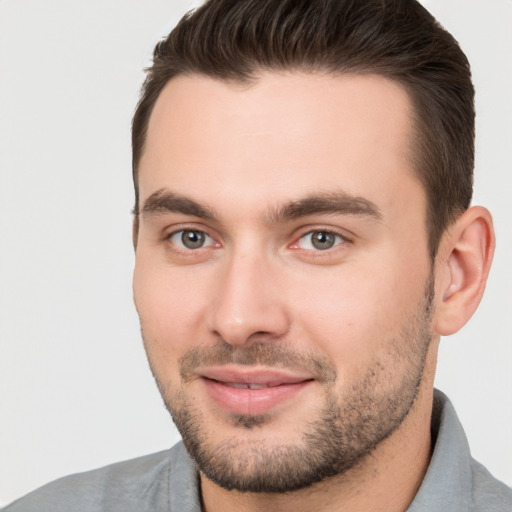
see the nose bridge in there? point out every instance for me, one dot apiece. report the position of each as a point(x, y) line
point(247, 304)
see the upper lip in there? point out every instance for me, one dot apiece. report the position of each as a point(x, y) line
point(253, 375)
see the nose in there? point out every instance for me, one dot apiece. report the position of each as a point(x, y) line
point(249, 303)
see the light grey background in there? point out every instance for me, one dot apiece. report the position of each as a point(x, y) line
point(76, 392)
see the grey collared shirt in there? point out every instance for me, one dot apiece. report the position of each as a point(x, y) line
point(168, 481)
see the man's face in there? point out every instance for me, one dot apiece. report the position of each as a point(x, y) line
point(282, 274)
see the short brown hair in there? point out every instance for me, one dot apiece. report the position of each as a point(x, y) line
point(233, 40)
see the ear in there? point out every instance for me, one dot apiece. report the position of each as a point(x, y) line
point(135, 230)
point(463, 263)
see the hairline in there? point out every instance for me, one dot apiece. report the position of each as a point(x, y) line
point(415, 137)
point(416, 143)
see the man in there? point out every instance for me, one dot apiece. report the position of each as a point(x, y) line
point(304, 236)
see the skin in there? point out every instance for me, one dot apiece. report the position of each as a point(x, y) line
point(227, 160)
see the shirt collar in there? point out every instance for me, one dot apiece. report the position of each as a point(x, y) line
point(448, 482)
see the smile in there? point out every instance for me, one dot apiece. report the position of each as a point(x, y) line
point(253, 391)
point(237, 385)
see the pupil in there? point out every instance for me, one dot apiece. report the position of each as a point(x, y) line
point(192, 239)
point(322, 240)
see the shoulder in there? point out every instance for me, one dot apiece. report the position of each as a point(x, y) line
point(136, 484)
point(488, 493)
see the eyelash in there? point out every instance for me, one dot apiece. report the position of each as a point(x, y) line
point(340, 239)
point(184, 230)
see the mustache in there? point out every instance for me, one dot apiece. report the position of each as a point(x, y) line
point(268, 354)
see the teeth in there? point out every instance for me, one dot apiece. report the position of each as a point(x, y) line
point(237, 385)
point(257, 386)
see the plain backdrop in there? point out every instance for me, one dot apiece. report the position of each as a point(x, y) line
point(76, 391)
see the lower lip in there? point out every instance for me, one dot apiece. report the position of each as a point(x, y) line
point(252, 401)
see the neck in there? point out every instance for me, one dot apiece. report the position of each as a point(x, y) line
point(386, 480)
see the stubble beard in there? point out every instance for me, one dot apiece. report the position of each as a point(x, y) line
point(347, 429)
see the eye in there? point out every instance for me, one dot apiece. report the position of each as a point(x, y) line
point(191, 239)
point(319, 240)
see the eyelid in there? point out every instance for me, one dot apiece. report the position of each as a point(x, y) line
point(300, 233)
point(186, 226)
point(167, 236)
point(346, 238)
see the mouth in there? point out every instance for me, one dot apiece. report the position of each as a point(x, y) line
point(252, 391)
point(237, 385)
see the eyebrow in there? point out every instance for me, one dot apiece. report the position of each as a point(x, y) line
point(334, 203)
point(164, 201)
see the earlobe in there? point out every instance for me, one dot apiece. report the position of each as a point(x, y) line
point(466, 253)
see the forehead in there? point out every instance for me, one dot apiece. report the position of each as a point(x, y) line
point(283, 136)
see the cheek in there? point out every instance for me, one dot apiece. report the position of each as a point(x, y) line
point(354, 316)
point(170, 305)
